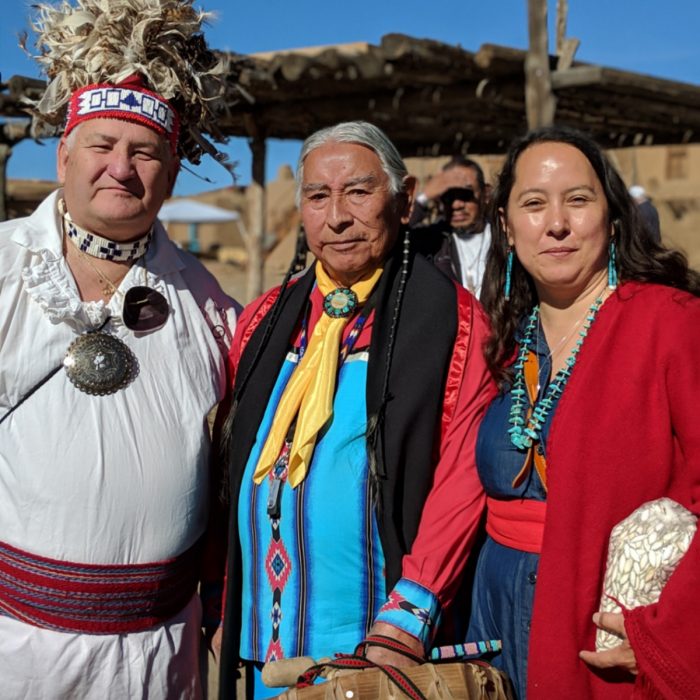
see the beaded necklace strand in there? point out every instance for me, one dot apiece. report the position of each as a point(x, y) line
point(524, 432)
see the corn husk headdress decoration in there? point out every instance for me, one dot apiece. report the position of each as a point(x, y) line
point(138, 60)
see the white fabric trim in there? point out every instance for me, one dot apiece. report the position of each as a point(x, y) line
point(472, 249)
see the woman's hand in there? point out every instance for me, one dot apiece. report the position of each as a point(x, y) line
point(623, 655)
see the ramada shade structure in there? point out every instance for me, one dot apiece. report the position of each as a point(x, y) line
point(433, 98)
point(436, 99)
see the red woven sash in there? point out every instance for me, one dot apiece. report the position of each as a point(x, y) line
point(94, 599)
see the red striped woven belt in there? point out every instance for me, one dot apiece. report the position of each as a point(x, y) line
point(94, 599)
point(516, 523)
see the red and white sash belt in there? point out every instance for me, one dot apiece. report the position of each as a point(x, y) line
point(93, 598)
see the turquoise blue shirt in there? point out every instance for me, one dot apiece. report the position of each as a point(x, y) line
point(313, 579)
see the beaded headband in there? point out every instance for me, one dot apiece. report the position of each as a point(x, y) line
point(128, 101)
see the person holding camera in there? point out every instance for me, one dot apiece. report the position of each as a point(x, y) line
point(458, 241)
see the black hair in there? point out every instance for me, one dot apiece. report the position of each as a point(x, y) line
point(459, 161)
point(639, 257)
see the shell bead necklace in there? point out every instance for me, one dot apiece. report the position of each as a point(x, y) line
point(524, 432)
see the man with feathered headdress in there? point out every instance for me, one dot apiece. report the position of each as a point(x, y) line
point(113, 348)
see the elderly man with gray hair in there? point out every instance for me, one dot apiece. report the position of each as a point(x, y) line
point(359, 386)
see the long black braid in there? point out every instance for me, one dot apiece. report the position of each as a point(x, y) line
point(297, 265)
point(375, 422)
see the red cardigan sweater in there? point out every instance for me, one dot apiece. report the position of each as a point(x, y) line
point(626, 431)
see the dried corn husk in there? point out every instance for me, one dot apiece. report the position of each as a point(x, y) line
point(105, 41)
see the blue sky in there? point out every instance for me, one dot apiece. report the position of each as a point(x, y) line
point(657, 38)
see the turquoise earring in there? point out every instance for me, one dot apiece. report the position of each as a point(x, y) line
point(612, 265)
point(509, 272)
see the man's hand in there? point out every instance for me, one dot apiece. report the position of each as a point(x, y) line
point(622, 656)
point(386, 657)
point(215, 643)
point(445, 180)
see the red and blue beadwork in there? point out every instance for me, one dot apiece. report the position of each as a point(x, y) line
point(340, 303)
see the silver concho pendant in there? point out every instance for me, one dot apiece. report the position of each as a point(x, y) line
point(98, 363)
point(339, 303)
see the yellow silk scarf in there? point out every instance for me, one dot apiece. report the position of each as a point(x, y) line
point(309, 393)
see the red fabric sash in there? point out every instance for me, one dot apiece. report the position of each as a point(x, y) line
point(518, 524)
point(92, 598)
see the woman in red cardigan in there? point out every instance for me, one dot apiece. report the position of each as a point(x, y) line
point(596, 330)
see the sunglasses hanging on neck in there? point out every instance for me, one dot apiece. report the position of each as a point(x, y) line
point(144, 309)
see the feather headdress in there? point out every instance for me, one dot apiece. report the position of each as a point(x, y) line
point(98, 42)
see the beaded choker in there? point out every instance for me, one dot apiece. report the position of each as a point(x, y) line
point(526, 431)
point(100, 247)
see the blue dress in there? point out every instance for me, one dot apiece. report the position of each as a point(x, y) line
point(504, 584)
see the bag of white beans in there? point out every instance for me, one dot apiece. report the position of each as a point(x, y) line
point(644, 550)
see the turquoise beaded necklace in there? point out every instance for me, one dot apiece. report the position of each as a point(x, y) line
point(523, 433)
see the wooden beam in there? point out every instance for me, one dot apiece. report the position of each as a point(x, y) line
point(566, 53)
point(254, 235)
point(577, 77)
point(11, 133)
point(540, 103)
point(566, 47)
point(562, 16)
